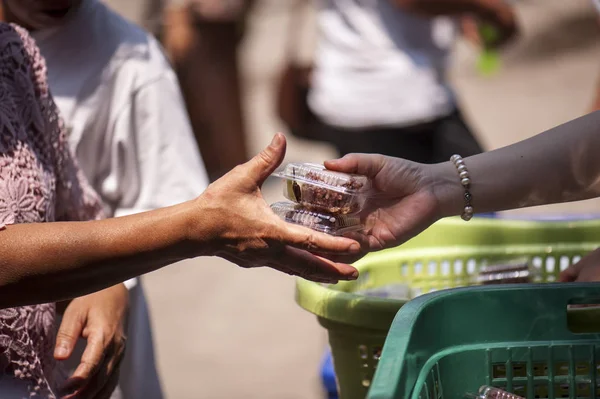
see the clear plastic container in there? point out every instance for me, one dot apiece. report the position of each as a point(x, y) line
point(315, 187)
point(319, 221)
point(509, 272)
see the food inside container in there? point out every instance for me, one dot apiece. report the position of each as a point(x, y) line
point(487, 392)
point(509, 272)
point(315, 187)
point(319, 221)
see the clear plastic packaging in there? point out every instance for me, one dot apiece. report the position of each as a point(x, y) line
point(390, 291)
point(486, 392)
point(517, 271)
point(319, 221)
point(315, 187)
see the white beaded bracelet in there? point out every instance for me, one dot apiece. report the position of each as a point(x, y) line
point(465, 180)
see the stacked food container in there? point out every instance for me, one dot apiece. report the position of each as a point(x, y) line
point(323, 200)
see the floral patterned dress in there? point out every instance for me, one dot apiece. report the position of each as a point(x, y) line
point(39, 182)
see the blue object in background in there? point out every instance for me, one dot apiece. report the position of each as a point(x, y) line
point(328, 376)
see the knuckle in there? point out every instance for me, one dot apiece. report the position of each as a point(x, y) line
point(63, 335)
point(311, 242)
point(265, 157)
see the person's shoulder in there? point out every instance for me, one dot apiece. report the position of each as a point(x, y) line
point(109, 29)
point(135, 51)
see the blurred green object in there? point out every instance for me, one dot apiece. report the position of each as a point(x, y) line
point(489, 59)
point(518, 338)
point(448, 254)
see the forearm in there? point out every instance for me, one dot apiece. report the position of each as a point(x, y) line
point(482, 8)
point(49, 262)
point(559, 165)
point(596, 104)
point(210, 82)
point(219, 43)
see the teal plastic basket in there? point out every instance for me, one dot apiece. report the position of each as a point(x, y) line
point(447, 255)
point(519, 338)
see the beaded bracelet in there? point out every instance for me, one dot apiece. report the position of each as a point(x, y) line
point(465, 180)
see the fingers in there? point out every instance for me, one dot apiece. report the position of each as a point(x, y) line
point(269, 159)
point(103, 383)
point(308, 266)
point(362, 164)
point(90, 363)
point(290, 272)
point(69, 332)
point(570, 274)
point(110, 386)
point(313, 241)
point(470, 30)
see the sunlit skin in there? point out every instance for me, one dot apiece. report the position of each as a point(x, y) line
point(559, 165)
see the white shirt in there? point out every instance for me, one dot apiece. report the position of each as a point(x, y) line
point(131, 134)
point(378, 66)
point(122, 105)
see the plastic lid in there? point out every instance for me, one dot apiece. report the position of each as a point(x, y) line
point(323, 222)
point(319, 175)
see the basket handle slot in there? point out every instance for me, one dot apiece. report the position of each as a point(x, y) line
point(583, 315)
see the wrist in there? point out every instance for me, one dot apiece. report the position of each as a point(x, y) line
point(203, 227)
point(447, 189)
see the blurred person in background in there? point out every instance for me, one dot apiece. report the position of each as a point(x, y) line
point(129, 129)
point(596, 103)
point(379, 80)
point(202, 38)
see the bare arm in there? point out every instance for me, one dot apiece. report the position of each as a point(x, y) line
point(596, 103)
point(204, 53)
point(497, 13)
point(48, 262)
point(560, 165)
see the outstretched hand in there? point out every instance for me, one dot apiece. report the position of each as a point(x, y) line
point(251, 235)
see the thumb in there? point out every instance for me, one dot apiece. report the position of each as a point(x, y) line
point(269, 159)
point(69, 332)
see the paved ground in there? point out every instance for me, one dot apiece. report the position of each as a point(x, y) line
point(222, 332)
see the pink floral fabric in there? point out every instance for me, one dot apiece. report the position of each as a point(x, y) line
point(39, 182)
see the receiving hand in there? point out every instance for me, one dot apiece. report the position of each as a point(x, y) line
point(403, 203)
point(245, 231)
point(586, 270)
point(99, 318)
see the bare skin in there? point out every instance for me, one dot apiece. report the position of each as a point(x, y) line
point(559, 165)
point(99, 316)
point(204, 55)
point(49, 262)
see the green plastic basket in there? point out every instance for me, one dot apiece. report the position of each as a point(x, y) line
point(519, 338)
point(446, 255)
